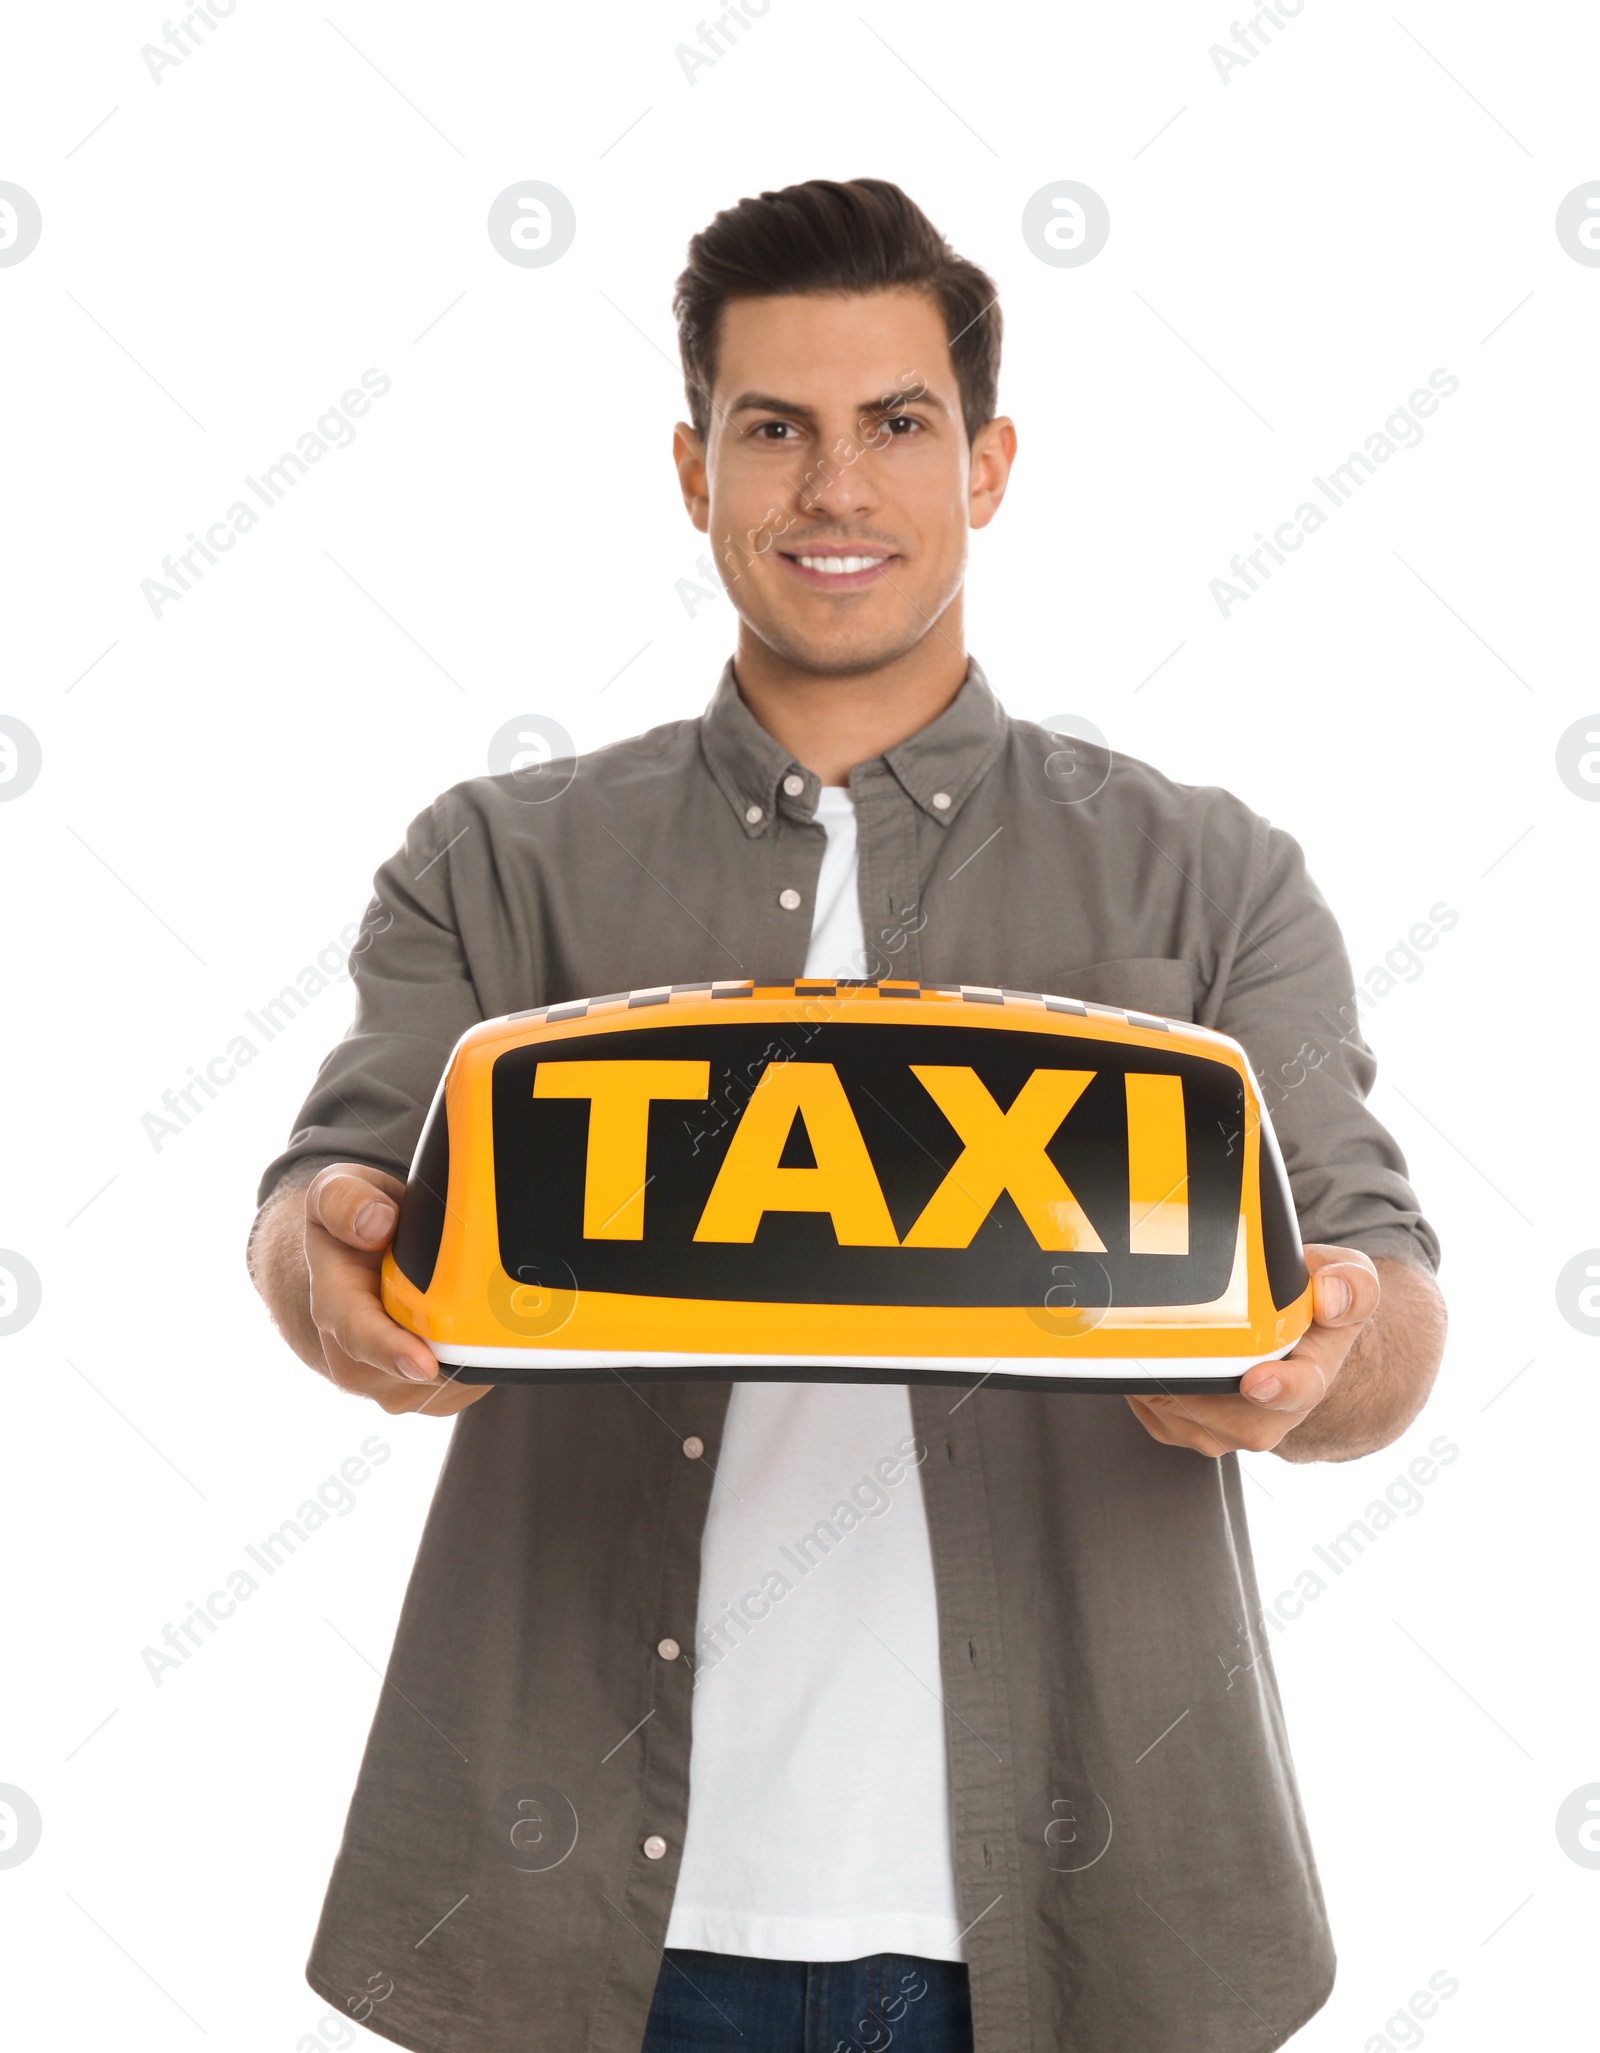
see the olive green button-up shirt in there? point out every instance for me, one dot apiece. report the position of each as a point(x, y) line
point(1130, 1851)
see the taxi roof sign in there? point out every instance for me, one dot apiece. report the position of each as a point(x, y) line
point(834, 1181)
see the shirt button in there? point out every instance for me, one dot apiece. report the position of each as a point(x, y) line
point(789, 900)
point(794, 785)
point(654, 1847)
point(669, 1650)
point(753, 814)
point(694, 1447)
point(942, 800)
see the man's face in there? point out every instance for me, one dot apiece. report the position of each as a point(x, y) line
point(836, 482)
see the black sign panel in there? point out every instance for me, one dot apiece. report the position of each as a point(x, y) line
point(542, 1145)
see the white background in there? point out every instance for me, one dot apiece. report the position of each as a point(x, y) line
point(305, 197)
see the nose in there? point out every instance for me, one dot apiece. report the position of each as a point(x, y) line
point(839, 485)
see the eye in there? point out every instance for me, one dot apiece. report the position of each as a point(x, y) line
point(759, 431)
point(890, 427)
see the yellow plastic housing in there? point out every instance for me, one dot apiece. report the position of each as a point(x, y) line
point(878, 1181)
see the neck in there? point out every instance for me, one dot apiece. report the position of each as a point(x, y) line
point(832, 720)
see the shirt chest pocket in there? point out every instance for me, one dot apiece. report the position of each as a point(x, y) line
point(1142, 983)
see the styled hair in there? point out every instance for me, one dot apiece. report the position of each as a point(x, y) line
point(862, 235)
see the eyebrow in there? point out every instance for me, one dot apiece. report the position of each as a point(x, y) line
point(888, 403)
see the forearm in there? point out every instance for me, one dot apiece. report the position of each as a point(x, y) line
point(1385, 1378)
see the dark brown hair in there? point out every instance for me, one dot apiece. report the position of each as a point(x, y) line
point(862, 235)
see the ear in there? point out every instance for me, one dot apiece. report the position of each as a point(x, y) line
point(689, 460)
point(994, 450)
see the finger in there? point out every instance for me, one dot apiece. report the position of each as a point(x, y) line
point(1297, 1381)
point(347, 1310)
point(1171, 1421)
point(447, 1397)
point(351, 1211)
point(358, 1206)
point(1216, 1425)
point(441, 1400)
point(352, 1319)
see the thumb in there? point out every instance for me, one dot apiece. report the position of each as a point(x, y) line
point(1345, 1286)
point(358, 1210)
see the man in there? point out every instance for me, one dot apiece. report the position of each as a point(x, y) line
point(1003, 1766)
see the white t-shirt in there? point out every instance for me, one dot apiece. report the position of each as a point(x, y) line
point(819, 1812)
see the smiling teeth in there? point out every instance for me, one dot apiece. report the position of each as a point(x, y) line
point(839, 566)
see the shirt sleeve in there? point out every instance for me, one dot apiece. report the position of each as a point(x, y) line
point(415, 997)
point(1289, 998)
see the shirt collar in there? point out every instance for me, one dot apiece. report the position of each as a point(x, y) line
point(938, 767)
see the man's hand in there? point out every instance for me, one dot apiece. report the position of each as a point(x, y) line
point(315, 1256)
point(1351, 1384)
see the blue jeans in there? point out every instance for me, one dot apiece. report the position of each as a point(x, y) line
point(705, 2001)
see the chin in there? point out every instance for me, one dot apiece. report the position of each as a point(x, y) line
point(839, 654)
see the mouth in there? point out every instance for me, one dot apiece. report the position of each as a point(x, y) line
point(839, 569)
